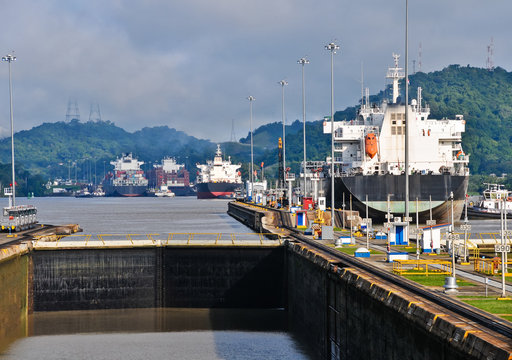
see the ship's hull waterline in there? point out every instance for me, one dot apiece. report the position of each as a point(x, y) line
point(421, 188)
point(216, 190)
point(125, 190)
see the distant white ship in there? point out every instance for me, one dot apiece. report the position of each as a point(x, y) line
point(218, 178)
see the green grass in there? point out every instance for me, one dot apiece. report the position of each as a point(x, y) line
point(502, 308)
point(403, 248)
point(435, 280)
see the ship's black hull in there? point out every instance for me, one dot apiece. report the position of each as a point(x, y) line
point(421, 188)
point(216, 190)
point(182, 190)
point(125, 190)
point(478, 213)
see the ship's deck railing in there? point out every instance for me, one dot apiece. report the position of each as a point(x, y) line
point(156, 240)
point(421, 267)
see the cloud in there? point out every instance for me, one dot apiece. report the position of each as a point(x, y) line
point(191, 64)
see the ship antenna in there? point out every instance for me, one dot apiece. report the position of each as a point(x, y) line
point(362, 86)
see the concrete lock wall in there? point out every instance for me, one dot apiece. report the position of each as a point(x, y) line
point(345, 314)
point(155, 277)
point(14, 299)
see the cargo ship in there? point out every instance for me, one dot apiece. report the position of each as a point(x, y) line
point(369, 159)
point(218, 178)
point(127, 179)
point(171, 174)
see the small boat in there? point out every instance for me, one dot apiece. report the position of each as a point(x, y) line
point(164, 192)
point(494, 199)
point(83, 193)
point(98, 192)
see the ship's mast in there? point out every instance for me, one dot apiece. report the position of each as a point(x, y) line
point(395, 74)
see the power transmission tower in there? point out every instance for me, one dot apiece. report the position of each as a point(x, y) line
point(233, 137)
point(72, 111)
point(94, 114)
point(490, 54)
point(420, 51)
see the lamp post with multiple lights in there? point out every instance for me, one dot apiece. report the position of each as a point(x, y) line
point(332, 47)
point(304, 61)
point(10, 58)
point(251, 99)
point(283, 83)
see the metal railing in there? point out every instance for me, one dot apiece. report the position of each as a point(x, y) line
point(421, 267)
point(492, 266)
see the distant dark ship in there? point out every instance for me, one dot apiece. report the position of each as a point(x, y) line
point(218, 178)
point(128, 178)
point(370, 159)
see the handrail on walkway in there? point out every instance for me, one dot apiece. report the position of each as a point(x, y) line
point(421, 267)
point(491, 266)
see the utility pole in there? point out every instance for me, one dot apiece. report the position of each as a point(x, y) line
point(304, 61)
point(10, 58)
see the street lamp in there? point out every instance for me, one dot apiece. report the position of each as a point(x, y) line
point(251, 99)
point(332, 47)
point(283, 83)
point(10, 58)
point(304, 61)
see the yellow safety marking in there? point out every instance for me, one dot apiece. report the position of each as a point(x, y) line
point(504, 298)
point(371, 285)
point(437, 315)
point(413, 302)
point(470, 332)
point(390, 292)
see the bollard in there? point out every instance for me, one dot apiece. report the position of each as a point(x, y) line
point(450, 285)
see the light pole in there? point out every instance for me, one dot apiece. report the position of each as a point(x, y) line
point(283, 83)
point(304, 61)
point(10, 58)
point(332, 47)
point(251, 99)
point(407, 114)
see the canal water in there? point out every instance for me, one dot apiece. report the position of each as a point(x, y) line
point(151, 333)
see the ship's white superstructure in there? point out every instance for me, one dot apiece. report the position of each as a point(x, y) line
point(219, 170)
point(127, 171)
point(170, 165)
point(374, 143)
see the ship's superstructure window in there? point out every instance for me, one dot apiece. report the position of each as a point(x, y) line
point(397, 123)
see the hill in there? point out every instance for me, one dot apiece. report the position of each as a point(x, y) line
point(51, 149)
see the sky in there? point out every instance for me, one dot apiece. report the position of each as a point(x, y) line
point(192, 64)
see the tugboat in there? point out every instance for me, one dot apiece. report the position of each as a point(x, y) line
point(218, 178)
point(494, 199)
point(370, 159)
point(128, 178)
point(164, 192)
